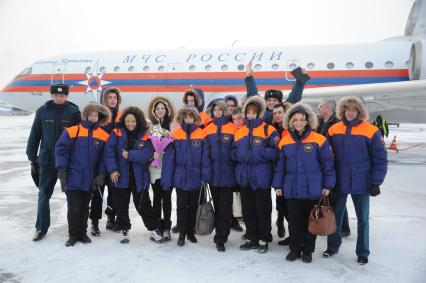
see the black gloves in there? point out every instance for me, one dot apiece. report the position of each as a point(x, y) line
point(99, 180)
point(374, 190)
point(62, 176)
point(35, 172)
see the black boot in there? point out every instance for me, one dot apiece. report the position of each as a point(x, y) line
point(175, 229)
point(284, 242)
point(307, 257)
point(94, 230)
point(263, 247)
point(236, 225)
point(84, 238)
point(220, 247)
point(181, 240)
point(125, 239)
point(292, 256)
point(191, 238)
point(280, 226)
point(38, 236)
point(110, 225)
point(71, 241)
point(249, 245)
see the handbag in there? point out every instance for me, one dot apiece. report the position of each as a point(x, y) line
point(236, 205)
point(205, 217)
point(322, 221)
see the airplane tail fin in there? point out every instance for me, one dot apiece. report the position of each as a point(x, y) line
point(416, 22)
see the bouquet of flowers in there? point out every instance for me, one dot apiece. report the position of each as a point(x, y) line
point(160, 139)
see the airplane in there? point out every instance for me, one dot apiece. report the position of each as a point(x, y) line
point(389, 75)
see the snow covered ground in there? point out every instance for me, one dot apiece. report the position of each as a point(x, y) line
point(397, 234)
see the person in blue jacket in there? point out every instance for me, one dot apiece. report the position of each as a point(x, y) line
point(254, 150)
point(80, 165)
point(219, 138)
point(185, 167)
point(128, 153)
point(361, 166)
point(49, 122)
point(304, 171)
point(272, 96)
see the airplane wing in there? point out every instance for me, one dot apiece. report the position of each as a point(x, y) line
point(399, 102)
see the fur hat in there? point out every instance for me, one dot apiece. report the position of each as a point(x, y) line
point(216, 102)
point(141, 124)
point(200, 93)
point(301, 108)
point(193, 93)
point(103, 112)
point(170, 111)
point(258, 102)
point(274, 93)
point(188, 111)
point(111, 90)
point(352, 101)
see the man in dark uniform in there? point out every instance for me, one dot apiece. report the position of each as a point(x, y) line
point(327, 118)
point(49, 122)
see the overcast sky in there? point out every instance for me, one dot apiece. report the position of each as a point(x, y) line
point(31, 30)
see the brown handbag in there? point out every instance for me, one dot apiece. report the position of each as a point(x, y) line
point(322, 221)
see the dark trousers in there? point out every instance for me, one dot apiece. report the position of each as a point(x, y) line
point(121, 200)
point(281, 207)
point(257, 209)
point(162, 202)
point(78, 211)
point(47, 183)
point(222, 201)
point(362, 210)
point(187, 204)
point(96, 204)
point(345, 223)
point(142, 202)
point(298, 215)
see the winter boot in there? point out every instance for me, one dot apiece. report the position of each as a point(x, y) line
point(307, 257)
point(181, 240)
point(263, 247)
point(84, 239)
point(110, 225)
point(175, 229)
point(249, 245)
point(155, 236)
point(191, 238)
point(236, 225)
point(71, 241)
point(166, 236)
point(292, 256)
point(220, 247)
point(125, 234)
point(94, 230)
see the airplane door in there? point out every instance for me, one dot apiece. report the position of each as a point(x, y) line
point(58, 72)
point(291, 65)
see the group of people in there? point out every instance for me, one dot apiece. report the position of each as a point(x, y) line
point(264, 143)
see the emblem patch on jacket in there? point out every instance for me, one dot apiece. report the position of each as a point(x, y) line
point(97, 142)
point(140, 145)
point(308, 147)
point(257, 141)
point(196, 143)
point(226, 138)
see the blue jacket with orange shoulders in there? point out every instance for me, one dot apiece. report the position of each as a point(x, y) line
point(79, 150)
point(361, 158)
point(219, 139)
point(185, 161)
point(305, 165)
point(139, 157)
point(254, 150)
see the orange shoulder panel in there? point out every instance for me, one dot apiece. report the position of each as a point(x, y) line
point(287, 139)
point(337, 129)
point(271, 129)
point(210, 129)
point(229, 128)
point(117, 132)
point(72, 131)
point(315, 138)
point(364, 129)
point(241, 133)
point(198, 134)
point(179, 134)
point(119, 113)
point(100, 134)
